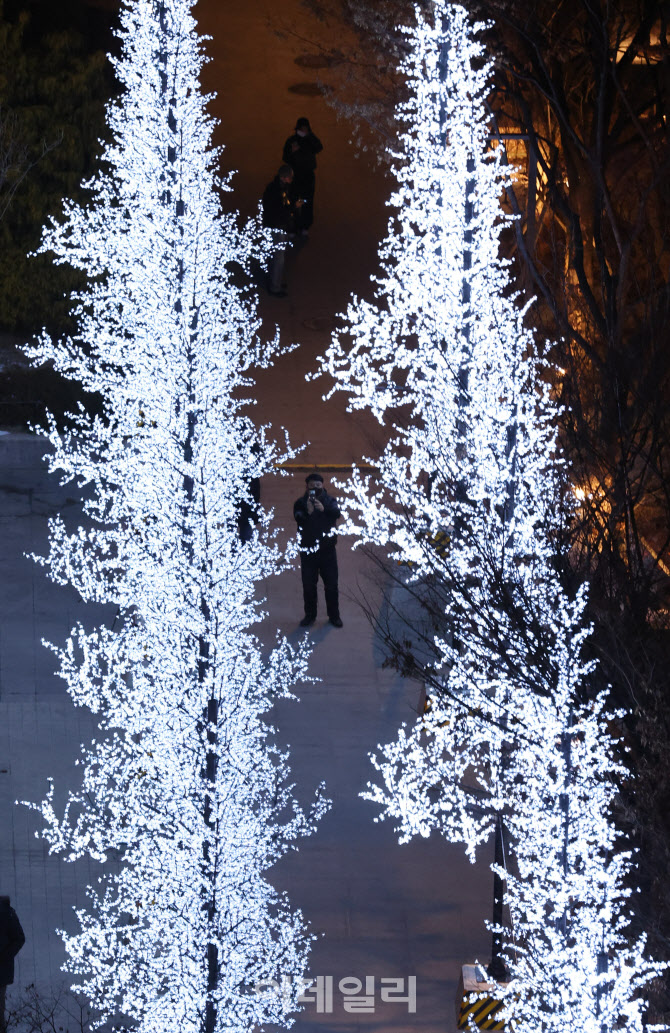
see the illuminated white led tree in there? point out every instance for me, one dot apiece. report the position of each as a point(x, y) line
point(573, 962)
point(466, 497)
point(442, 356)
point(184, 788)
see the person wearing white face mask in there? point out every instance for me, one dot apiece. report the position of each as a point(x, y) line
point(300, 151)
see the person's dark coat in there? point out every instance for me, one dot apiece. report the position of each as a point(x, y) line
point(12, 940)
point(279, 206)
point(249, 510)
point(316, 528)
point(300, 153)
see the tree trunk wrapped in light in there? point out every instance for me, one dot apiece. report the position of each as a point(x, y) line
point(466, 498)
point(184, 786)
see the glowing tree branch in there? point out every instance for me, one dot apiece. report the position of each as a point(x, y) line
point(442, 356)
point(573, 961)
point(465, 498)
point(184, 788)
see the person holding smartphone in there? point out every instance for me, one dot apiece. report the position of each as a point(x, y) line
point(300, 151)
point(316, 514)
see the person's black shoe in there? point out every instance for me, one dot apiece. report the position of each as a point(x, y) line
point(336, 622)
point(307, 621)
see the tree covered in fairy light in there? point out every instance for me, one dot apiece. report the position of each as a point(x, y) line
point(443, 359)
point(466, 497)
point(574, 962)
point(184, 791)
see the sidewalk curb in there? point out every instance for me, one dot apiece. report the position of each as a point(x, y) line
point(325, 467)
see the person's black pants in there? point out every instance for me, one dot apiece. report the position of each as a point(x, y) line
point(304, 188)
point(323, 562)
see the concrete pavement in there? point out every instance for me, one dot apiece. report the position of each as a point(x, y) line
point(381, 910)
point(384, 910)
point(40, 729)
point(260, 91)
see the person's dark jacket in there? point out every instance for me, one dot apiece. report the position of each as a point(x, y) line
point(279, 206)
point(12, 940)
point(302, 160)
point(316, 528)
point(249, 510)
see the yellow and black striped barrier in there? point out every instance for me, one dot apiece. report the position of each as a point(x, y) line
point(436, 544)
point(474, 1006)
point(484, 1012)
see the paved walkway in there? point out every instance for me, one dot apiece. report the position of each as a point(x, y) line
point(384, 911)
point(254, 75)
point(40, 729)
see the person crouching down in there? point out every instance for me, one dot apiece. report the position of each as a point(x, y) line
point(316, 514)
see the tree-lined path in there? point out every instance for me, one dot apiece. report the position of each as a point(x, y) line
point(379, 909)
point(382, 910)
point(260, 92)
